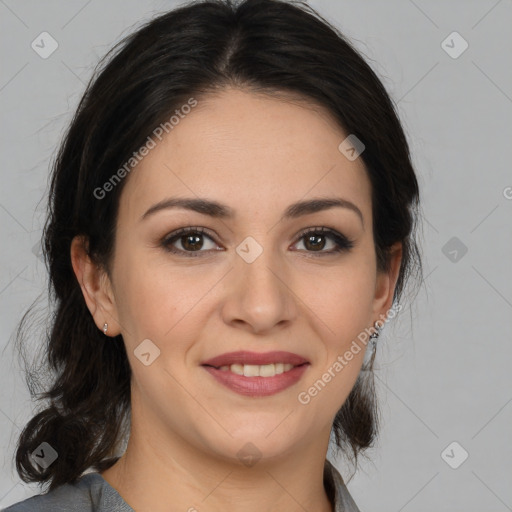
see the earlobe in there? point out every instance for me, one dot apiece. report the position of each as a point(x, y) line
point(95, 286)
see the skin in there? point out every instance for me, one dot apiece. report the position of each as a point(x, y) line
point(258, 155)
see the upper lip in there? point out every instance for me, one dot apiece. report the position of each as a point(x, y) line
point(244, 357)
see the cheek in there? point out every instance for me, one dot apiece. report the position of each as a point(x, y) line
point(143, 295)
point(158, 300)
point(342, 296)
point(342, 305)
point(343, 311)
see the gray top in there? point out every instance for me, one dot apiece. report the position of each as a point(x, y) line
point(92, 493)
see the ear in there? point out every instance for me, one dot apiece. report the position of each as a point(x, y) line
point(385, 284)
point(96, 287)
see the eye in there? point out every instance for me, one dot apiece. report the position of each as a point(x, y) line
point(316, 239)
point(191, 240)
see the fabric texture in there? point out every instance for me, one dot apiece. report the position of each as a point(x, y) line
point(92, 493)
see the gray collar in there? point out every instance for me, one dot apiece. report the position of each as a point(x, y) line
point(337, 490)
point(109, 499)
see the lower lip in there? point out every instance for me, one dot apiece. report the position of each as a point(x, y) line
point(257, 386)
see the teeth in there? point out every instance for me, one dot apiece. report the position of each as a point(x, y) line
point(254, 370)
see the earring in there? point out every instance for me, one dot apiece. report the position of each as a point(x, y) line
point(373, 341)
point(375, 335)
point(105, 327)
point(369, 355)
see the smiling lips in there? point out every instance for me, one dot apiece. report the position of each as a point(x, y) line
point(256, 374)
point(255, 358)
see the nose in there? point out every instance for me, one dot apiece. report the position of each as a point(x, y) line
point(259, 294)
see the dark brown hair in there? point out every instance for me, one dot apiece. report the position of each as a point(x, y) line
point(263, 46)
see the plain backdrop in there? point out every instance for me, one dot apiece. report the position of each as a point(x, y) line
point(444, 365)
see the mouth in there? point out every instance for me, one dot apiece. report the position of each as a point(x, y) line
point(247, 358)
point(257, 374)
point(254, 370)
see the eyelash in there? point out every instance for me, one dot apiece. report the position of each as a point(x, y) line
point(342, 242)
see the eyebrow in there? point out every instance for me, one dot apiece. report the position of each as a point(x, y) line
point(222, 211)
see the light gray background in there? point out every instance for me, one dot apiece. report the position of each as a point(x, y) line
point(444, 372)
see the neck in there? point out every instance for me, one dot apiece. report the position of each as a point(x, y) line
point(148, 477)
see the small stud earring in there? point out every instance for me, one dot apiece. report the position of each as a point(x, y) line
point(105, 327)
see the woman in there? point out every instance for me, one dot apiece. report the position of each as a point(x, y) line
point(232, 219)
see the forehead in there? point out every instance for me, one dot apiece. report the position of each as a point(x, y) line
point(250, 151)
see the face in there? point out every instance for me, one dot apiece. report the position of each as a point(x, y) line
point(253, 279)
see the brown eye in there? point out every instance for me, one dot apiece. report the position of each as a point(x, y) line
point(315, 242)
point(317, 239)
point(187, 241)
point(191, 242)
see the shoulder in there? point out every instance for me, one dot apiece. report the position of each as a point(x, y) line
point(91, 493)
